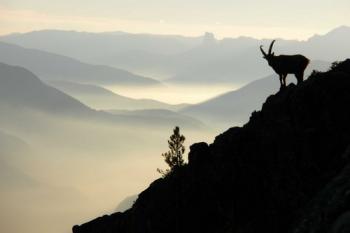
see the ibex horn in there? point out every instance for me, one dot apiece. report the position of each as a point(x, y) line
point(263, 52)
point(271, 45)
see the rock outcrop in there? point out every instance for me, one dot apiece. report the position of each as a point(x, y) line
point(286, 170)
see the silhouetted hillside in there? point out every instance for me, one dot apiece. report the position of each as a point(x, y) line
point(286, 170)
point(234, 107)
point(50, 66)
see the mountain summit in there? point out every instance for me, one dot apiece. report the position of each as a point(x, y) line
point(286, 170)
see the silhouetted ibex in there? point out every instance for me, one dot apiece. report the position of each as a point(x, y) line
point(286, 64)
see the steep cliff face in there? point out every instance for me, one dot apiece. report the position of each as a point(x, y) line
point(286, 170)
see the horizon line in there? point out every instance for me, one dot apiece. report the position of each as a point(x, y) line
point(169, 34)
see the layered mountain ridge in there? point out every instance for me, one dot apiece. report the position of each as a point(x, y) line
point(181, 60)
point(50, 66)
point(286, 170)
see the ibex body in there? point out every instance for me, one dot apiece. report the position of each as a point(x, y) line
point(286, 64)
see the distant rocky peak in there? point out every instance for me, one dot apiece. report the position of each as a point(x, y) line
point(209, 38)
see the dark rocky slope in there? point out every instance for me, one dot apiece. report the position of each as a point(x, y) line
point(286, 170)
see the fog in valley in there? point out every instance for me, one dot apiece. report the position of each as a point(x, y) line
point(176, 93)
point(67, 170)
point(85, 117)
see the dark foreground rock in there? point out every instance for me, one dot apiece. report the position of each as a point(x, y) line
point(286, 170)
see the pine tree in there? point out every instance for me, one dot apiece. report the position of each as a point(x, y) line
point(174, 157)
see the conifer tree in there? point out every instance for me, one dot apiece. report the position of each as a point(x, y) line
point(174, 157)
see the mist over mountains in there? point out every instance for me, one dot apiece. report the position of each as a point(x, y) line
point(101, 98)
point(196, 60)
point(122, 50)
point(53, 146)
point(19, 88)
point(75, 143)
point(22, 90)
point(49, 66)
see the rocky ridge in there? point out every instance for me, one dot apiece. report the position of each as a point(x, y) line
point(286, 170)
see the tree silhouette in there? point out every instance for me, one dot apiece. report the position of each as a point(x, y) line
point(174, 156)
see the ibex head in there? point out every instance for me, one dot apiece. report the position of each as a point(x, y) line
point(270, 55)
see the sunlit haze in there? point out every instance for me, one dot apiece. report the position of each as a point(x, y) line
point(174, 94)
point(91, 93)
point(294, 19)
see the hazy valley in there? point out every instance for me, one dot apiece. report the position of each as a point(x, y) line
point(84, 117)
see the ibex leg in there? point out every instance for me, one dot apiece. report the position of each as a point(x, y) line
point(281, 80)
point(300, 77)
point(284, 79)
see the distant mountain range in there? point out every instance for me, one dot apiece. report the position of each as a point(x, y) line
point(136, 52)
point(64, 42)
point(100, 98)
point(240, 60)
point(183, 59)
point(199, 60)
point(20, 88)
point(49, 66)
point(23, 94)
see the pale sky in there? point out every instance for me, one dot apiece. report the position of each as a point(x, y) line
point(291, 19)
